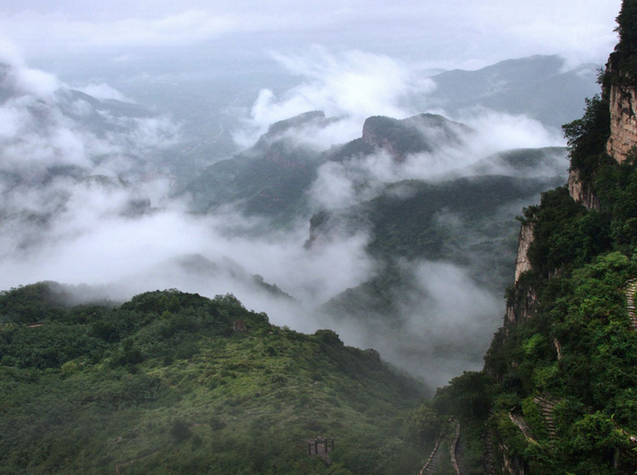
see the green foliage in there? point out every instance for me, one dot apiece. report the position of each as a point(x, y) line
point(466, 396)
point(48, 346)
point(180, 431)
point(627, 46)
point(616, 186)
point(424, 424)
point(162, 384)
point(586, 313)
point(565, 232)
point(587, 138)
point(32, 303)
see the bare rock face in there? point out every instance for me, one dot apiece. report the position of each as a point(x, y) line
point(525, 301)
point(523, 308)
point(581, 193)
point(623, 121)
point(623, 112)
point(522, 263)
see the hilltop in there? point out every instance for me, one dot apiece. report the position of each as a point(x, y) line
point(170, 382)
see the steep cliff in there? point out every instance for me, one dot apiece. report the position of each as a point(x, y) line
point(526, 238)
point(581, 191)
point(623, 111)
point(557, 391)
point(618, 106)
point(423, 133)
point(621, 72)
point(522, 298)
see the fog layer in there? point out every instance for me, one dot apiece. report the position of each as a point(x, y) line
point(87, 200)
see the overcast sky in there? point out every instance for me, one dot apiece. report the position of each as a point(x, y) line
point(450, 33)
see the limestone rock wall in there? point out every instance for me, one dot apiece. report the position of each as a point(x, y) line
point(579, 192)
point(623, 121)
point(523, 308)
point(525, 301)
point(526, 238)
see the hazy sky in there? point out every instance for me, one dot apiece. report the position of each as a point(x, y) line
point(451, 33)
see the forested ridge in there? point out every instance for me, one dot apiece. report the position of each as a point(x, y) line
point(171, 382)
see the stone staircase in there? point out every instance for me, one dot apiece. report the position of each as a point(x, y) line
point(434, 460)
point(631, 288)
point(546, 405)
point(436, 455)
point(489, 453)
point(453, 448)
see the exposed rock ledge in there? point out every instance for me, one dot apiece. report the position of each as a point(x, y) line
point(581, 193)
point(522, 263)
point(623, 116)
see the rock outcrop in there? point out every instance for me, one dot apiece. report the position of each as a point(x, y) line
point(522, 305)
point(526, 238)
point(581, 192)
point(623, 114)
point(420, 133)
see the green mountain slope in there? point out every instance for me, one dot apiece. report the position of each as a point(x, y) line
point(169, 382)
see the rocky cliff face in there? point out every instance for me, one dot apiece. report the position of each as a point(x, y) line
point(524, 301)
point(580, 192)
point(622, 100)
point(623, 125)
point(522, 263)
point(623, 114)
point(421, 133)
point(523, 307)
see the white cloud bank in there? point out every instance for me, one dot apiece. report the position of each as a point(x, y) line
point(454, 33)
point(350, 86)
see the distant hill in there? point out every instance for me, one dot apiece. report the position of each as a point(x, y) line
point(541, 87)
point(273, 177)
point(466, 222)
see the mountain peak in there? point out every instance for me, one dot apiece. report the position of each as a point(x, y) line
point(416, 134)
point(301, 120)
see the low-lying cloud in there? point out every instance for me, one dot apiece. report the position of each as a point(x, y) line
point(349, 86)
point(85, 202)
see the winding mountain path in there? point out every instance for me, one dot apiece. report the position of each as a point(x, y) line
point(546, 405)
point(436, 455)
point(454, 447)
point(434, 459)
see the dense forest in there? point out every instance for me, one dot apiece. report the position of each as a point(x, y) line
point(170, 382)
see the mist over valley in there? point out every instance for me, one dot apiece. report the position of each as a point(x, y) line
point(212, 207)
